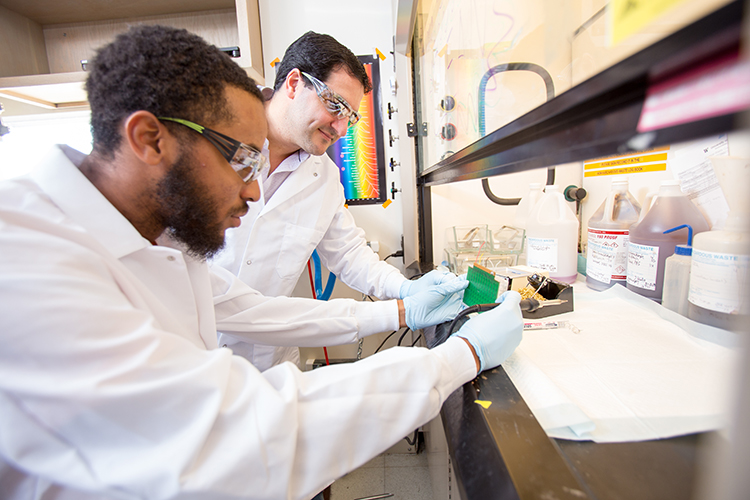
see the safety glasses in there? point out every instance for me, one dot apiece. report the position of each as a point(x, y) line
point(334, 103)
point(246, 160)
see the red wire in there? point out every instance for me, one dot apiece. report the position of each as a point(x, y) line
point(312, 288)
point(312, 282)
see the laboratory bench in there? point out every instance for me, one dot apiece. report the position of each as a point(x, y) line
point(502, 451)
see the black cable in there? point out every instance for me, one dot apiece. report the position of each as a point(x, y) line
point(386, 340)
point(403, 335)
point(412, 443)
point(415, 342)
point(367, 297)
point(399, 253)
point(529, 305)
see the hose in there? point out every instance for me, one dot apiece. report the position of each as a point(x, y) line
point(500, 68)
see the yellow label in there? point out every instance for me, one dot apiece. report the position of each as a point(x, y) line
point(620, 161)
point(387, 202)
point(483, 404)
point(380, 54)
point(275, 62)
point(630, 16)
point(653, 167)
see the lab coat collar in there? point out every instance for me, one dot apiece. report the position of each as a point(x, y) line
point(308, 173)
point(59, 177)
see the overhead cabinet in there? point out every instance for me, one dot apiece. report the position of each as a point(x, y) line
point(49, 41)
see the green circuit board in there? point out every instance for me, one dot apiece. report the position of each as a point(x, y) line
point(482, 287)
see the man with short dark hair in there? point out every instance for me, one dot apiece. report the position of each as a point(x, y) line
point(112, 385)
point(317, 91)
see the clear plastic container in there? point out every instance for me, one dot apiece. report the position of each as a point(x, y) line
point(506, 239)
point(459, 262)
point(677, 275)
point(648, 247)
point(608, 231)
point(468, 238)
point(552, 236)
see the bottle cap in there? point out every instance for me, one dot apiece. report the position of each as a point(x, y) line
point(683, 250)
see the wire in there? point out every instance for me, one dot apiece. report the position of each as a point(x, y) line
point(479, 253)
point(386, 340)
point(411, 443)
point(399, 253)
point(415, 342)
point(312, 288)
point(312, 281)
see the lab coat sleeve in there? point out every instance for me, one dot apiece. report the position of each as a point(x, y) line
point(100, 400)
point(344, 251)
point(288, 321)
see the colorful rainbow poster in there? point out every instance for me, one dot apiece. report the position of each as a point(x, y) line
point(359, 154)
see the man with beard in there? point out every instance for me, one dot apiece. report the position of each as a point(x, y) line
point(111, 381)
point(318, 88)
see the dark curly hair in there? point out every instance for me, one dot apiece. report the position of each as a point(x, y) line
point(319, 55)
point(163, 70)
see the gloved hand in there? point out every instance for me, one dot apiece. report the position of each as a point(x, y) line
point(495, 334)
point(434, 277)
point(435, 305)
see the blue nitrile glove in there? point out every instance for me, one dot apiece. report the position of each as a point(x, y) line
point(435, 305)
point(434, 277)
point(495, 334)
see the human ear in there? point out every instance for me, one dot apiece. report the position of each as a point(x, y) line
point(293, 83)
point(149, 139)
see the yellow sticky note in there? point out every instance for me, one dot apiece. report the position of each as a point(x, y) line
point(380, 54)
point(387, 202)
point(483, 404)
point(631, 16)
point(443, 50)
point(274, 62)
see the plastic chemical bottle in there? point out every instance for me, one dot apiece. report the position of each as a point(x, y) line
point(677, 275)
point(608, 230)
point(522, 213)
point(721, 258)
point(527, 204)
point(552, 236)
point(649, 247)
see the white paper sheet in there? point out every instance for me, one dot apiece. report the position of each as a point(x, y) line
point(636, 371)
point(691, 166)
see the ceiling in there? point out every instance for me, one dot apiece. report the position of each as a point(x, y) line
point(46, 12)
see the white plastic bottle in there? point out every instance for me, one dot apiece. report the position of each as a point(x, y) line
point(527, 204)
point(523, 210)
point(552, 236)
point(677, 275)
point(608, 231)
point(649, 247)
point(720, 270)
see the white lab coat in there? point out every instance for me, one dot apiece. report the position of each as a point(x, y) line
point(111, 384)
point(271, 247)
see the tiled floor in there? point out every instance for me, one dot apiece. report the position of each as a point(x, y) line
point(407, 476)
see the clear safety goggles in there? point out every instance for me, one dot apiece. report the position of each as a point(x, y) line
point(334, 103)
point(246, 160)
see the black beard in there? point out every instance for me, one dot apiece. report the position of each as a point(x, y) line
point(187, 210)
